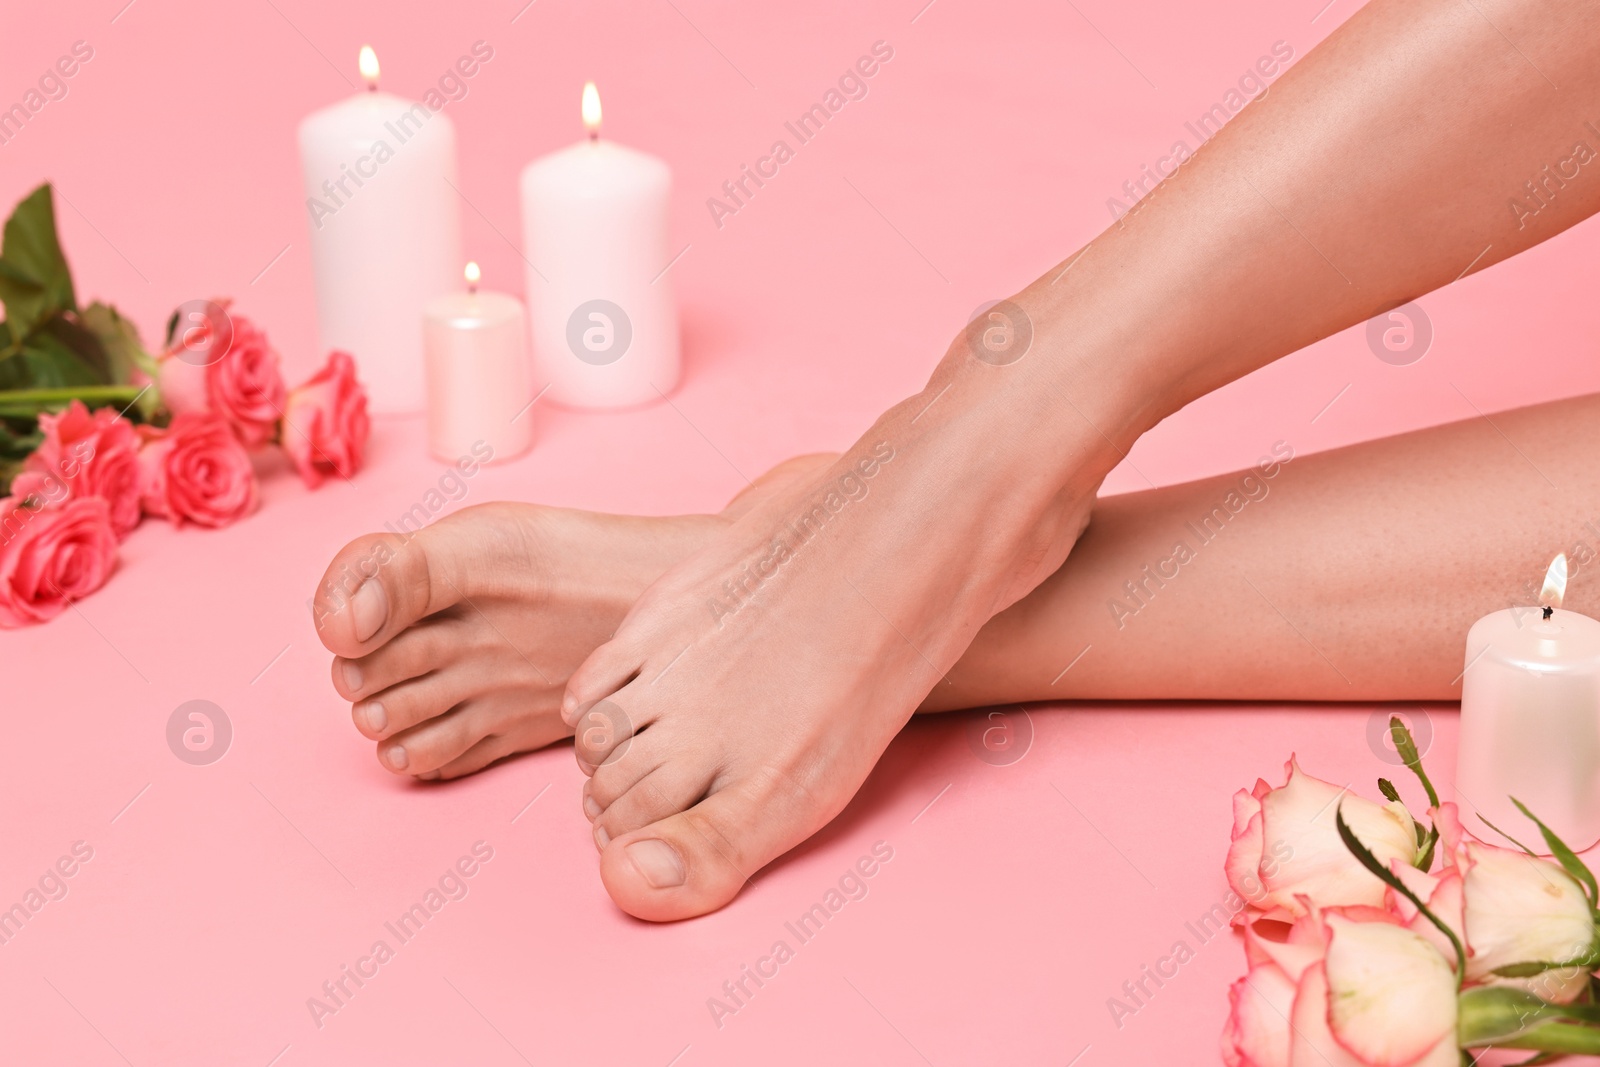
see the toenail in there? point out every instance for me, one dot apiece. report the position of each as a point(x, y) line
point(352, 676)
point(591, 808)
point(377, 719)
point(397, 758)
point(370, 606)
point(601, 838)
point(657, 861)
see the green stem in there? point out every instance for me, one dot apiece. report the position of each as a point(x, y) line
point(113, 393)
point(1557, 1037)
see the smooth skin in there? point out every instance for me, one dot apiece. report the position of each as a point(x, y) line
point(1379, 168)
point(1346, 575)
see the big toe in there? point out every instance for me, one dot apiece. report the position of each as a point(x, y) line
point(379, 584)
point(696, 861)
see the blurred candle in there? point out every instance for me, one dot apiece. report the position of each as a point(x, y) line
point(594, 223)
point(478, 374)
point(1530, 719)
point(379, 172)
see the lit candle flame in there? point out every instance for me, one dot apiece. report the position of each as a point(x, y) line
point(591, 109)
point(1555, 582)
point(369, 66)
point(473, 274)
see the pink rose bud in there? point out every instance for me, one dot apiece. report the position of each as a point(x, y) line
point(325, 422)
point(236, 375)
point(1347, 986)
point(1286, 846)
point(85, 454)
point(196, 470)
point(1506, 906)
point(52, 555)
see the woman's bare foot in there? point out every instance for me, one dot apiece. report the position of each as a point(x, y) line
point(454, 645)
point(750, 691)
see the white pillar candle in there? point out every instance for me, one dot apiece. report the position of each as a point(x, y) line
point(479, 375)
point(594, 224)
point(379, 173)
point(1530, 720)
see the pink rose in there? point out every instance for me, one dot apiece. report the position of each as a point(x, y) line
point(325, 422)
point(85, 454)
point(244, 386)
point(1348, 987)
point(52, 555)
point(1506, 906)
point(1494, 949)
point(196, 471)
point(1286, 847)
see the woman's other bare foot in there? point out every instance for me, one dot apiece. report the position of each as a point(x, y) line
point(454, 645)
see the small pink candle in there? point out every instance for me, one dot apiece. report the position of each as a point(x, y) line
point(479, 375)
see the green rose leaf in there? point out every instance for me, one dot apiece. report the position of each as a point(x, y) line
point(1565, 856)
point(82, 343)
point(35, 283)
point(125, 353)
point(18, 439)
point(47, 362)
point(120, 338)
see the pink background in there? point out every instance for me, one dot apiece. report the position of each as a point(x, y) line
point(1014, 906)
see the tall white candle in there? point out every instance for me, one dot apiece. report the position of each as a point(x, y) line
point(1530, 720)
point(379, 173)
point(594, 222)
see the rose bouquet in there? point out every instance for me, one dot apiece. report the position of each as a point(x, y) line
point(96, 432)
point(1379, 942)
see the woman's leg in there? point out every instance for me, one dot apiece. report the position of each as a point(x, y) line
point(1346, 575)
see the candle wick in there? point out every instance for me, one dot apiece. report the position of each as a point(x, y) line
point(1549, 611)
point(594, 135)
